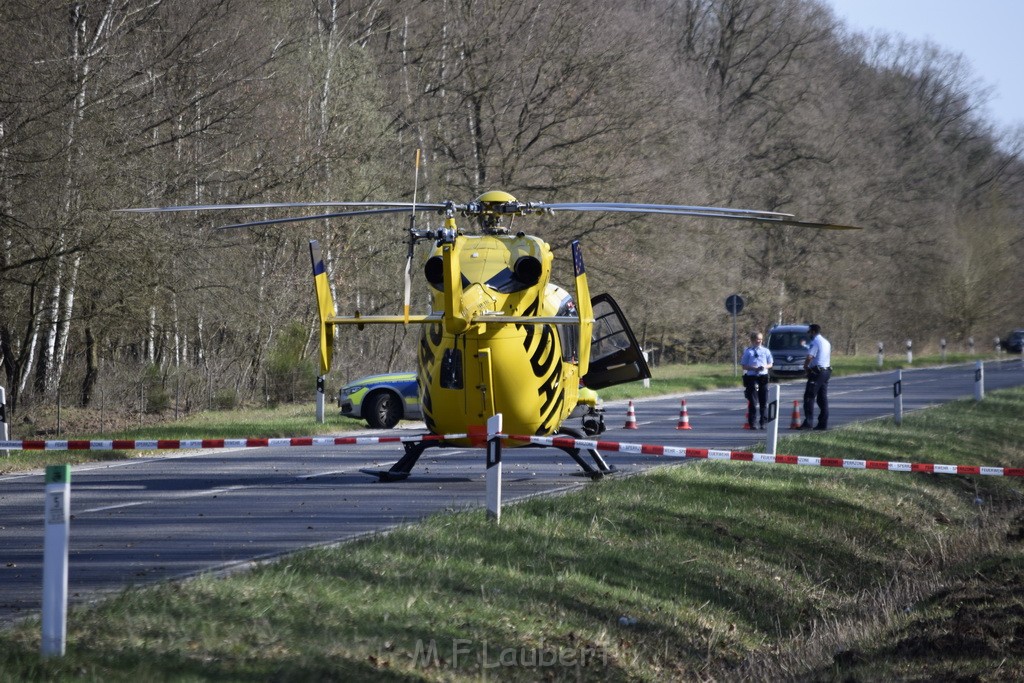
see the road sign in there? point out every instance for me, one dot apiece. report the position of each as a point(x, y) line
point(734, 304)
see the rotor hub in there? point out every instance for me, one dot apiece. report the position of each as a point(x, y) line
point(489, 208)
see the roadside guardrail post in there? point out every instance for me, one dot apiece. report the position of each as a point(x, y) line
point(55, 560)
point(494, 468)
point(897, 399)
point(979, 380)
point(773, 417)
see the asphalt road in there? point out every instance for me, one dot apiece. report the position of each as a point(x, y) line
point(170, 516)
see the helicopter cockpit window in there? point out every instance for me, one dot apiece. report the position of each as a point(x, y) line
point(451, 369)
point(609, 335)
point(505, 282)
point(569, 335)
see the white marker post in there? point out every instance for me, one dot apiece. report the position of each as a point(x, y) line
point(320, 400)
point(979, 380)
point(4, 434)
point(773, 418)
point(55, 560)
point(897, 399)
point(494, 468)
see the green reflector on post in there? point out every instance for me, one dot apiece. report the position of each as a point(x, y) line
point(58, 474)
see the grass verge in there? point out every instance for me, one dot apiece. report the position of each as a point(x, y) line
point(709, 571)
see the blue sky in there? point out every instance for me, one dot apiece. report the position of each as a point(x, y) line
point(989, 33)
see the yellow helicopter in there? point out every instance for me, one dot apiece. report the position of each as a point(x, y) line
point(502, 337)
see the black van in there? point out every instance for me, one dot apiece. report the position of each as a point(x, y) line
point(1014, 342)
point(788, 344)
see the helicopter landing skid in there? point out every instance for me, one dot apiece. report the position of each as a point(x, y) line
point(401, 469)
point(413, 450)
point(386, 475)
point(602, 468)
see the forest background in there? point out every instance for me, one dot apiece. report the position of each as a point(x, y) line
point(763, 104)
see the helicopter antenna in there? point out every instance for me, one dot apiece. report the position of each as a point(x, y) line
point(412, 238)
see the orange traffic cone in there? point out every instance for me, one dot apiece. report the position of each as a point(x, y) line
point(630, 417)
point(747, 425)
point(684, 417)
point(795, 424)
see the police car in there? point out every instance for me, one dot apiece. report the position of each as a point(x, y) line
point(382, 400)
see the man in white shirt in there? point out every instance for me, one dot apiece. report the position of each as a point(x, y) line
point(819, 369)
point(756, 361)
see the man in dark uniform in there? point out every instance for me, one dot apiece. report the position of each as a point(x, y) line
point(819, 369)
point(756, 361)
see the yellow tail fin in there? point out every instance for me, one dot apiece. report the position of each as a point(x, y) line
point(583, 307)
point(325, 306)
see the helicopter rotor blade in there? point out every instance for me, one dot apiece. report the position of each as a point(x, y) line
point(512, 208)
point(749, 215)
point(678, 209)
point(298, 219)
point(281, 205)
point(407, 300)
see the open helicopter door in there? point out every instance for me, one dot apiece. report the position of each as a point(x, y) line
point(615, 356)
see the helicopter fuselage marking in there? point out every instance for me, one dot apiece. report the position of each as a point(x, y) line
point(429, 341)
point(546, 363)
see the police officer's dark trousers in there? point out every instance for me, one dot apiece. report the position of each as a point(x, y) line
point(816, 391)
point(755, 385)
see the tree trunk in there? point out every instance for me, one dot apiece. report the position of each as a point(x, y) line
point(92, 369)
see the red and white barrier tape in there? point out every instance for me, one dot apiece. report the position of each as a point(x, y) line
point(556, 441)
point(173, 444)
point(710, 454)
